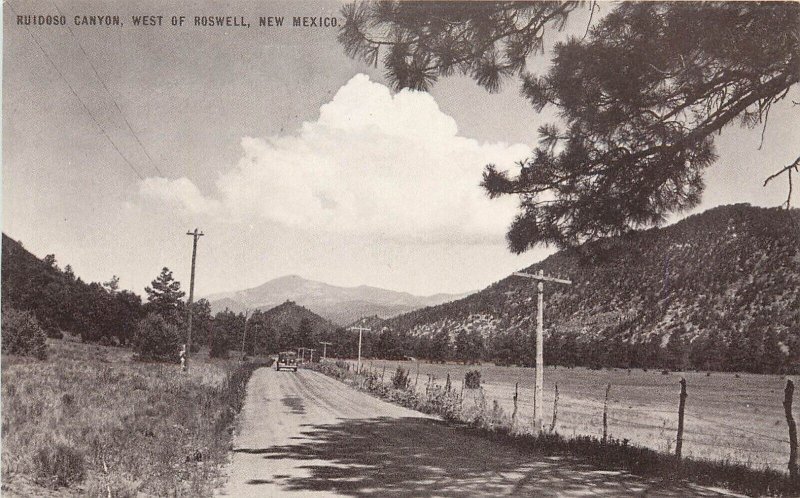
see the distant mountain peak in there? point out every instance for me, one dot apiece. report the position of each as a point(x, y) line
point(341, 305)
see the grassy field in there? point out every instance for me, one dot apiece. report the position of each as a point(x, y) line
point(739, 419)
point(90, 421)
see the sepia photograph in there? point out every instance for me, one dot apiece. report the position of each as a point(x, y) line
point(383, 248)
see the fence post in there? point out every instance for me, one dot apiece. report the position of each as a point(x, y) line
point(787, 406)
point(555, 411)
point(514, 414)
point(679, 439)
point(605, 415)
point(383, 373)
point(416, 381)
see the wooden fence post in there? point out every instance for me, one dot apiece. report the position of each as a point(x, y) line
point(514, 414)
point(679, 439)
point(787, 406)
point(383, 373)
point(605, 415)
point(416, 381)
point(555, 411)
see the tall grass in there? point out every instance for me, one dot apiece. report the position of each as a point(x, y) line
point(91, 419)
point(493, 422)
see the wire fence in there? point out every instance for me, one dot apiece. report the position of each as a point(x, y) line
point(716, 434)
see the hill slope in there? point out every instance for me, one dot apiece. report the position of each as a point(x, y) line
point(717, 290)
point(289, 315)
point(341, 305)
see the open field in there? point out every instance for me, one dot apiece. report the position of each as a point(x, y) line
point(739, 419)
point(90, 421)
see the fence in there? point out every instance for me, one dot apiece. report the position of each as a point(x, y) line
point(743, 424)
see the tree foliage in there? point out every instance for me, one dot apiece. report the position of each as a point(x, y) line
point(157, 339)
point(62, 302)
point(640, 96)
point(164, 295)
point(22, 334)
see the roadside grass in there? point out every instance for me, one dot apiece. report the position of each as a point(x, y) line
point(90, 421)
point(493, 422)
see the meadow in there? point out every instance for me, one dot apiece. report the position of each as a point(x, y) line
point(91, 421)
point(737, 418)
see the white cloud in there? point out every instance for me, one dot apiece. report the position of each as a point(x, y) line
point(372, 164)
point(179, 194)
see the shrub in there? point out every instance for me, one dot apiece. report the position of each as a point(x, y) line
point(22, 334)
point(219, 345)
point(472, 379)
point(58, 465)
point(156, 340)
point(400, 379)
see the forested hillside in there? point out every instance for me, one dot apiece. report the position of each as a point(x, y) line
point(60, 301)
point(718, 290)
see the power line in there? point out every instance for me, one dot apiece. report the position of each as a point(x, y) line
point(85, 108)
point(122, 114)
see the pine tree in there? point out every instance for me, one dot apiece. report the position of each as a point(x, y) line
point(641, 97)
point(164, 296)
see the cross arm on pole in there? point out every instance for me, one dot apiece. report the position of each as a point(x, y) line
point(542, 278)
point(363, 329)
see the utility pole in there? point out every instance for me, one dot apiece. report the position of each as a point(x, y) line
point(196, 234)
point(538, 407)
point(360, 330)
point(244, 334)
point(325, 348)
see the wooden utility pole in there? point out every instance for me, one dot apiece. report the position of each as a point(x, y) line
point(679, 438)
point(244, 334)
point(538, 407)
point(196, 234)
point(360, 330)
point(325, 348)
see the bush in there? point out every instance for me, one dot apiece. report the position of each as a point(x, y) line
point(219, 345)
point(22, 334)
point(58, 465)
point(157, 340)
point(400, 379)
point(472, 379)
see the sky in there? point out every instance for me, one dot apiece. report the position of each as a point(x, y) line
point(289, 156)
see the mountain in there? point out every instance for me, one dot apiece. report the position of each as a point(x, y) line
point(289, 314)
point(717, 290)
point(342, 305)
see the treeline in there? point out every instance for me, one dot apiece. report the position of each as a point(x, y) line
point(755, 352)
point(56, 301)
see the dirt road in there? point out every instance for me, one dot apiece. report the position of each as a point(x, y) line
point(306, 434)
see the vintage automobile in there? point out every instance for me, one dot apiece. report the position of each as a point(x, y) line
point(288, 360)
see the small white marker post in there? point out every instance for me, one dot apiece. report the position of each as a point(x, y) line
point(538, 409)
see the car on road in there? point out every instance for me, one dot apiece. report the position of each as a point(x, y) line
point(288, 360)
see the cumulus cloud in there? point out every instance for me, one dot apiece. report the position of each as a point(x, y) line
point(180, 194)
point(373, 163)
